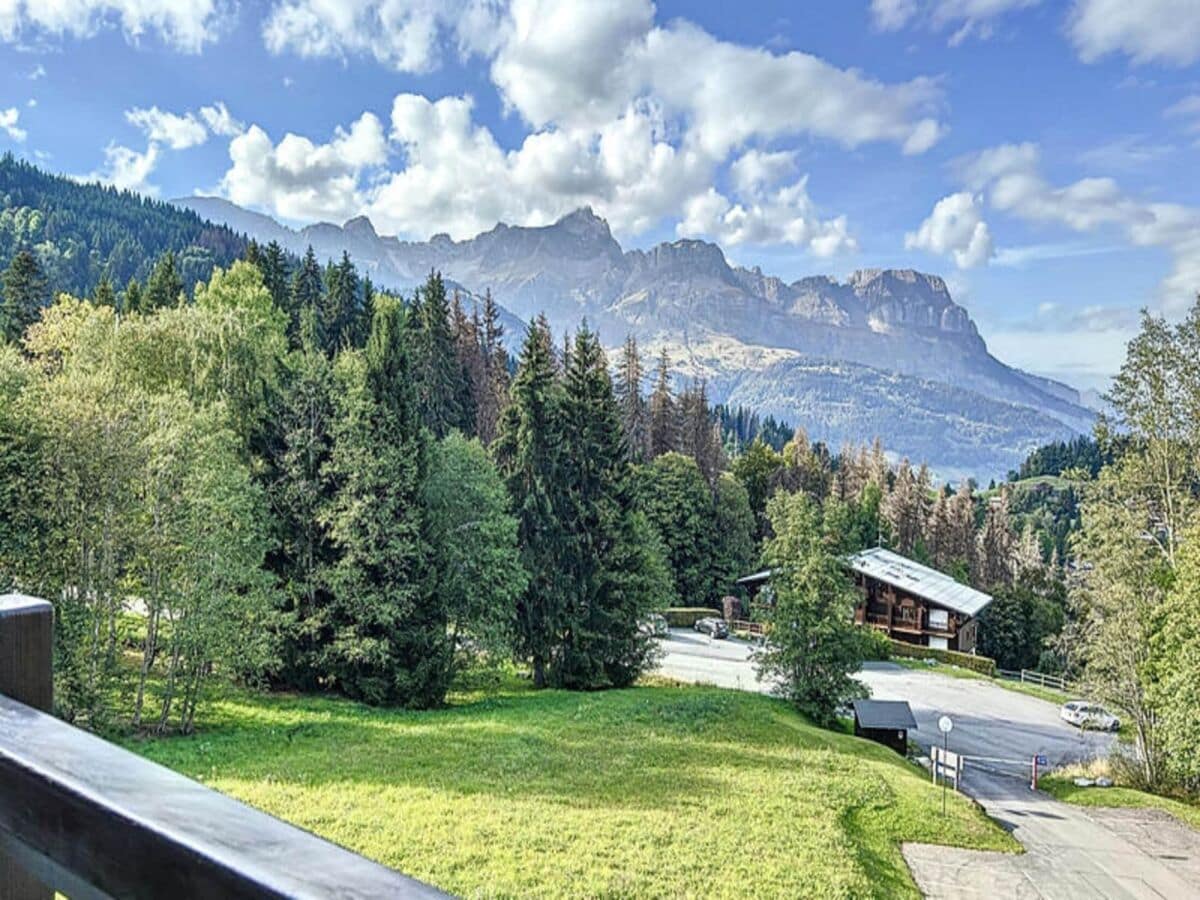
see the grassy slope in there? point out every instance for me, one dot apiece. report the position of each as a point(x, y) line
point(653, 791)
point(1063, 787)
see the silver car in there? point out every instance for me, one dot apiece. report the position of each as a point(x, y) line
point(1089, 716)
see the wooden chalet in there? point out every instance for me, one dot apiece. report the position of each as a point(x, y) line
point(914, 603)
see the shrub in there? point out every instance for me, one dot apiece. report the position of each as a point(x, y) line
point(877, 646)
point(984, 665)
point(686, 616)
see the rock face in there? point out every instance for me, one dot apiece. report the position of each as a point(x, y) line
point(885, 352)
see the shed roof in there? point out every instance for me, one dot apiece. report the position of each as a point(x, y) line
point(910, 576)
point(884, 714)
point(756, 577)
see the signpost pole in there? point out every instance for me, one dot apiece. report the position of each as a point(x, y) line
point(945, 725)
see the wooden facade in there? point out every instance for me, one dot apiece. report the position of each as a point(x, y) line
point(913, 603)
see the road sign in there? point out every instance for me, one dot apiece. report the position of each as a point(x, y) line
point(945, 725)
point(1041, 760)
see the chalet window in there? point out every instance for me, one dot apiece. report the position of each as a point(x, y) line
point(939, 620)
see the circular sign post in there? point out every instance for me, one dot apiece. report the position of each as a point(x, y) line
point(945, 726)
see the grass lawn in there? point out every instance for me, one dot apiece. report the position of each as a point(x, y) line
point(1062, 786)
point(664, 791)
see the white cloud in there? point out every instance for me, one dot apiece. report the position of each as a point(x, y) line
point(300, 180)
point(967, 17)
point(186, 26)
point(755, 170)
point(127, 169)
point(38, 71)
point(8, 124)
point(1013, 182)
point(401, 34)
point(784, 216)
point(177, 132)
point(1186, 110)
point(219, 121)
point(955, 227)
point(1163, 31)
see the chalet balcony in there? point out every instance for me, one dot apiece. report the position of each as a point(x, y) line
point(85, 818)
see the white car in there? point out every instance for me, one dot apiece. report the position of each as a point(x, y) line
point(1089, 716)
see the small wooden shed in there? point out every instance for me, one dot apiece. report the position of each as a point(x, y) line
point(885, 722)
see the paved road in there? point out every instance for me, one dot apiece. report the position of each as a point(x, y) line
point(1071, 852)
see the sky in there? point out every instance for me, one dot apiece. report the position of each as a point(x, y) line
point(1041, 155)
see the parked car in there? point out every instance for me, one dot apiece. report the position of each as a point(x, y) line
point(713, 626)
point(654, 625)
point(1089, 716)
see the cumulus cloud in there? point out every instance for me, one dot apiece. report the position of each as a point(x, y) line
point(8, 124)
point(1162, 31)
point(635, 119)
point(301, 180)
point(177, 132)
point(184, 26)
point(401, 34)
point(1011, 177)
point(956, 228)
point(127, 169)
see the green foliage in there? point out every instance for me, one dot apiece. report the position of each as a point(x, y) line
point(440, 380)
point(876, 645)
point(81, 232)
point(984, 665)
point(647, 792)
point(1021, 618)
point(815, 648)
point(390, 643)
point(473, 541)
point(22, 294)
point(679, 504)
point(756, 468)
point(164, 288)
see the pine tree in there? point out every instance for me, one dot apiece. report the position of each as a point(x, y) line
point(104, 294)
point(492, 395)
point(529, 451)
point(635, 417)
point(996, 545)
point(300, 490)
point(664, 430)
point(602, 645)
point(472, 376)
point(273, 263)
point(339, 310)
point(307, 292)
point(24, 293)
point(164, 287)
point(699, 437)
point(131, 297)
point(390, 642)
point(439, 377)
point(904, 509)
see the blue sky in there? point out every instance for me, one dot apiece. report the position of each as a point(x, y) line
point(1040, 155)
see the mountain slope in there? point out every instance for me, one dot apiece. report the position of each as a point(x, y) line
point(885, 352)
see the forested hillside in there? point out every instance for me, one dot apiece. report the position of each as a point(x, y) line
point(81, 232)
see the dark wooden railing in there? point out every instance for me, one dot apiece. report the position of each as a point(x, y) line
point(84, 817)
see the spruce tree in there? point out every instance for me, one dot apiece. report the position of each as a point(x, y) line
point(664, 431)
point(131, 297)
point(24, 293)
point(300, 490)
point(104, 294)
point(340, 309)
point(439, 376)
point(635, 418)
point(492, 395)
point(602, 645)
point(529, 451)
point(273, 264)
point(472, 375)
point(390, 642)
point(307, 292)
point(164, 287)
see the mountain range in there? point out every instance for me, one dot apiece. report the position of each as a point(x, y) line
point(884, 353)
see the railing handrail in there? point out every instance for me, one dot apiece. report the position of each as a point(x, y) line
point(130, 828)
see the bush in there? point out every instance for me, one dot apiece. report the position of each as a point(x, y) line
point(984, 665)
point(686, 616)
point(877, 646)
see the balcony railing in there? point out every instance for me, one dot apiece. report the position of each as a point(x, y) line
point(83, 817)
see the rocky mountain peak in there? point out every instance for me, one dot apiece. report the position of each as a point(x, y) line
point(585, 223)
point(360, 227)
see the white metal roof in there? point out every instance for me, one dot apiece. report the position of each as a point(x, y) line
point(932, 585)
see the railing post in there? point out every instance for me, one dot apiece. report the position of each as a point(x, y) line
point(26, 675)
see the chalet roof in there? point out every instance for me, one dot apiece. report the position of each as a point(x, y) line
point(756, 577)
point(884, 714)
point(929, 584)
